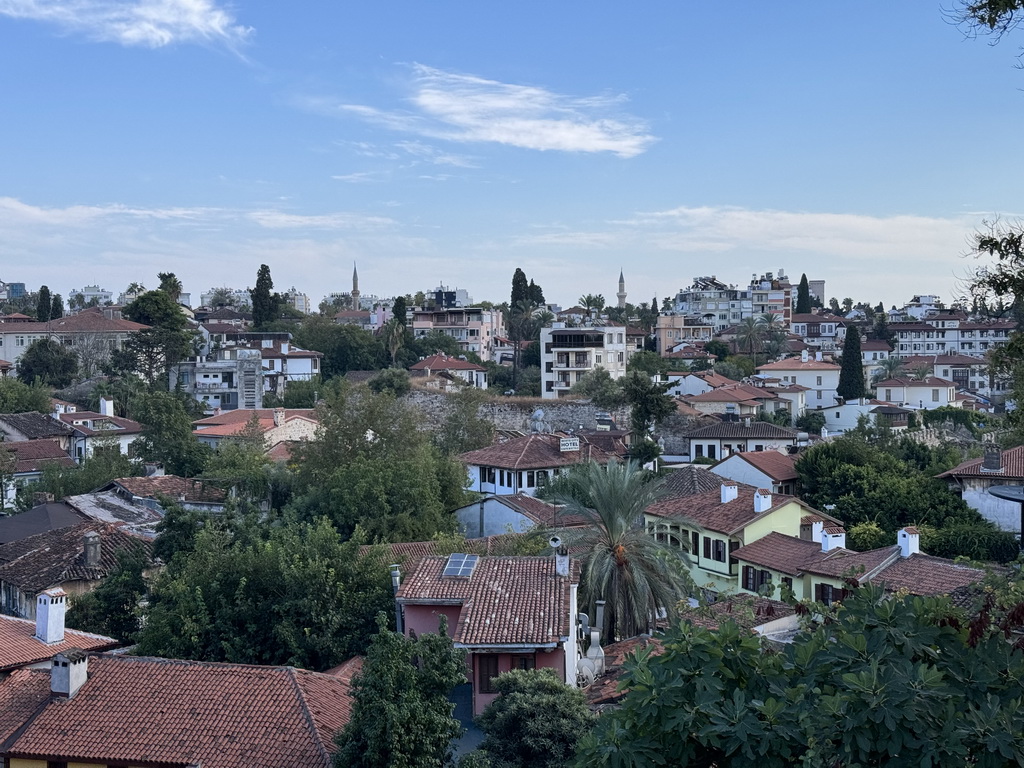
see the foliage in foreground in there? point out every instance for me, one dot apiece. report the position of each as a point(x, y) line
point(401, 714)
point(893, 681)
point(536, 722)
point(301, 597)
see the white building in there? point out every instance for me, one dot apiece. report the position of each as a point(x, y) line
point(820, 378)
point(90, 292)
point(569, 354)
point(926, 394)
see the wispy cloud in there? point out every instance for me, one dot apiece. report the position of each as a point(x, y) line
point(147, 23)
point(470, 109)
point(360, 177)
point(280, 220)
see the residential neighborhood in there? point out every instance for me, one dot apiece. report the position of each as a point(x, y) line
point(535, 386)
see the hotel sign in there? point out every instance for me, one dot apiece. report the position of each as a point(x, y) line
point(569, 444)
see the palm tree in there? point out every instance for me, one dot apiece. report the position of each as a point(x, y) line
point(590, 302)
point(394, 333)
point(638, 576)
point(749, 334)
point(888, 368)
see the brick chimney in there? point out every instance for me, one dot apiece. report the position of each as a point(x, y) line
point(278, 417)
point(729, 492)
point(69, 672)
point(909, 539)
point(762, 500)
point(51, 606)
point(833, 537)
point(91, 546)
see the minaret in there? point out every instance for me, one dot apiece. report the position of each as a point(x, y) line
point(355, 287)
point(621, 295)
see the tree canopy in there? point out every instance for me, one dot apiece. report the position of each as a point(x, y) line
point(886, 680)
point(851, 373)
point(294, 594)
point(48, 362)
point(803, 297)
point(401, 713)
point(265, 305)
point(44, 304)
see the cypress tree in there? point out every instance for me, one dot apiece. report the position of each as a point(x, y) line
point(264, 306)
point(851, 376)
point(44, 306)
point(57, 307)
point(535, 294)
point(803, 297)
point(520, 289)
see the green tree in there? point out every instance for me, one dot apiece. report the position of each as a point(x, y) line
point(535, 294)
point(151, 352)
point(851, 374)
point(750, 333)
point(520, 288)
point(300, 596)
point(888, 368)
point(647, 362)
point(536, 721)
point(592, 303)
point(803, 297)
point(462, 429)
point(105, 464)
point(373, 466)
point(345, 347)
point(717, 348)
point(265, 305)
point(867, 535)
point(601, 388)
point(896, 682)
point(637, 575)
point(170, 284)
point(48, 362)
point(44, 305)
point(647, 400)
point(167, 436)
point(395, 335)
point(57, 307)
point(393, 380)
point(112, 609)
point(401, 713)
point(400, 310)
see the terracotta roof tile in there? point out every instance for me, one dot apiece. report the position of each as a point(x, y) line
point(506, 600)
point(21, 695)
point(707, 509)
point(1012, 462)
point(746, 611)
point(690, 480)
point(785, 554)
point(778, 466)
point(135, 709)
point(34, 425)
point(19, 646)
point(55, 557)
point(535, 451)
point(756, 429)
point(33, 455)
point(797, 364)
point(101, 425)
point(445, 363)
point(606, 690)
point(178, 488)
point(922, 574)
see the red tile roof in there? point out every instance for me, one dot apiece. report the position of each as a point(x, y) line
point(707, 509)
point(87, 321)
point(797, 364)
point(922, 574)
point(21, 694)
point(506, 600)
point(143, 710)
point(746, 611)
point(445, 363)
point(178, 488)
point(33, 455)
point(1012, 462)
point(19, 646)
point(102, 425)
point(901, 381)
point(55, 557)
point(739, 429)
point(535, 452)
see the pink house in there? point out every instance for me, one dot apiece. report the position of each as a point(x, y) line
point(506, 612)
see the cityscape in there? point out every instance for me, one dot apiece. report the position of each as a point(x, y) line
point(418, 386)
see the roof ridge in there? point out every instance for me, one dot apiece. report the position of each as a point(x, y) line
point(307, 715)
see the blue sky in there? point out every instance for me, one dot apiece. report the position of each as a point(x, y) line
point(447, 142)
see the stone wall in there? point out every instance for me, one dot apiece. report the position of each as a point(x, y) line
point(514, 412)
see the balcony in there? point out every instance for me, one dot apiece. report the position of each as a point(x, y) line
point(572, 362)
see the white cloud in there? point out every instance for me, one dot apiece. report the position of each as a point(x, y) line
point(466, 108)
point(148, 23)
point(360, 177)
point(280, 220)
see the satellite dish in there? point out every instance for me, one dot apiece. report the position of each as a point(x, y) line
point(538, 415)
point(555, 542)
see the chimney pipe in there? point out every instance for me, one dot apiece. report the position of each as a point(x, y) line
point(833, 537)
point(396, 582)
point(107, 406)
point(599, 615)
point(91, 547)
point(51, 606)
point(729, 492)
point(993, 461)
point(816, 530)
point(762, 500)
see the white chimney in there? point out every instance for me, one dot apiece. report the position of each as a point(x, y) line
point(816, 530)
point(278, 417)
point(762, 500)
point(107, 406)
point(51, 606)
point(909, 539)
point(69, 672)
point(729, 492)
point(817, 355)
point(285, 346)
point(833, 537)
point(803, 355)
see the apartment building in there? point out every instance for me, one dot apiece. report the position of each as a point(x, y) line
point(474, 328)
point(569, 354)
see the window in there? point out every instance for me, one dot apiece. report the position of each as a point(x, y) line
point(531, 480)
point(888, 395)
point(597, 358)
point(712, 452)
point(694, 542)
point(698, 451)
point(718, 548)
point(935, 395)
point(487, 671)
point(524, 662)
point(819, 380)
point(19, 341)
point(827, 594)
point(754, 579)
point(707, 547)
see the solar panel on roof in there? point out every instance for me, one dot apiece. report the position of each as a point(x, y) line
point(460, 565)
